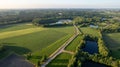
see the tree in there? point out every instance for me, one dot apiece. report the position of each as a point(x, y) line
point(36, 21)
point(44, 58)
point(38, 63)
point(78, 20)
point(29, 55)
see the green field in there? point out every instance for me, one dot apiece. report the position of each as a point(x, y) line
point(74, 44)
point(16, 27)
point(40, 41)
point(61, 60)
point(113, 43)
point(10, 34)
point(90, 31)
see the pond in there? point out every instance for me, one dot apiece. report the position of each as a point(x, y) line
point(91, 47)
point(92, 64)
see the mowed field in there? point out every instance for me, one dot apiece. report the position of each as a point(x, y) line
point(15, 27)
point(74, 44)
point(90, 31)
point(25, 38)
point(113, 43)
point(61, 60)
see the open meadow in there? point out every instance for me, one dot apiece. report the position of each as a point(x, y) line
point(74, 44)
point(113, 43)
point(37, 40)
point(90, 31)
point(61, 60)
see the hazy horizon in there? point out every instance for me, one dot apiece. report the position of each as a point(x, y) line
point(34, 4)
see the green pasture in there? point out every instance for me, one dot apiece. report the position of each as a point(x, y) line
point(90, 31)
point(37, 40)
point(113, 43)
point(61, 60)
point(74, 44)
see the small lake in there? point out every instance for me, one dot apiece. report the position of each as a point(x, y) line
point(91, 47)
point(92, 64)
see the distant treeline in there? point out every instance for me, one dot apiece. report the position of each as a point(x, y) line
point(52, 15)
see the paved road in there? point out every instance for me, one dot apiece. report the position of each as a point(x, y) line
point(69, 52)
point(61, 49)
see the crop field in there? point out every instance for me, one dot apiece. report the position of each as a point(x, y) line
point(9, 34)
point(37, 40)
point(49, 49)
point(61, 60)
point(16, 27)
point(74, 44)
point(90, 31)
point(113, 43)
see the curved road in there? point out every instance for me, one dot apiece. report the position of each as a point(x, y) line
point(61, 49)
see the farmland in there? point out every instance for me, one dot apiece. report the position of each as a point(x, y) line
point(16, 27)
point(22, 39)
point(74, 44)
point(61, 60)
point(113, 43)
point(60, 37)
point(90, 31)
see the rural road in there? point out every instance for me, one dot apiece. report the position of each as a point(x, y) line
point(61, 49)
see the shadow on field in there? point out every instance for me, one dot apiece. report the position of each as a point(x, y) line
point(17, 49)
point(110, 42)
point(61, 61)
point(113, 46)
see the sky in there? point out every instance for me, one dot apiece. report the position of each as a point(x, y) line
point(17, 4)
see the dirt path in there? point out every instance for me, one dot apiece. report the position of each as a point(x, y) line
point(15, 61)
point(60, 49)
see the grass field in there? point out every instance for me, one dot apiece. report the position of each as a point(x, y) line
point(16, 27)
point(9, 34)
point(74, 44)
point(40, 41)
point(90, 31)
point(113, 43)
point(61, 60)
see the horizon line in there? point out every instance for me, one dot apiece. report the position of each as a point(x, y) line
point(60, 8)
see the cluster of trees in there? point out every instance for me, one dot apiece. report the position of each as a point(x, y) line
point(111, 30)
point(103, 50)
point(45, 21)
point(90, 37)
point(21, 16)
point(43, 59)
point(85, 21)
point(109, 61)
point(51, 22)
point(48, 22)
point(111, 26)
